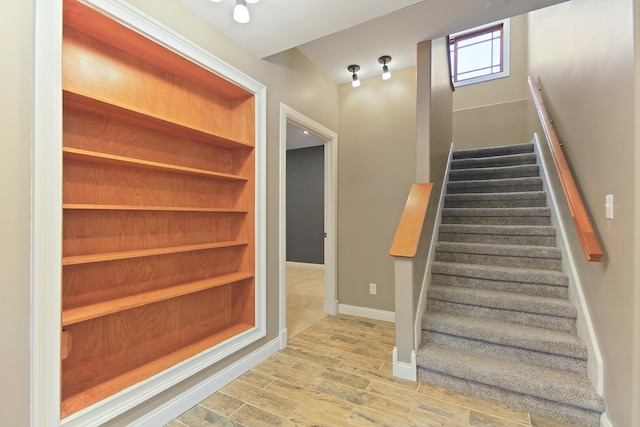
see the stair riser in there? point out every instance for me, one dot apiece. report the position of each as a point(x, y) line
point(497, 239)
point(549, 291)
point(497, 220)
point(452, 188)
point(526, 171)
point(494, 151)
point(492, 162)
point(530, 319)
point(538, 358)
point(515, 203)
point(499, 260)
point(568, 414)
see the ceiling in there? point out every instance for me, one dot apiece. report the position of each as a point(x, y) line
point(336, 33)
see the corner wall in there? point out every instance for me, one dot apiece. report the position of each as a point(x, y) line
point(16, 107)
point(376, 158)
point(582, 55)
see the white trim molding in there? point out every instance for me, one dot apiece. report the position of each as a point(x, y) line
point(288, 114)
point(586, 331)
point(185, 401)
point(367, 313)
point(404, 370)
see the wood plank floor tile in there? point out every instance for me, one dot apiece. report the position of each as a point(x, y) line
point(201, 416)
point(261, 398)
point(479, 405)
point(256, 378)
point(251, 416)
point(222, 403)
point(416, 400)
point(332, 374)
point(538, 421)
point(480, 419)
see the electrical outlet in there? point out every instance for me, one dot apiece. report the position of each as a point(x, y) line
point(372, 288)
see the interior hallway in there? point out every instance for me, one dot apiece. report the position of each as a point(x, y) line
point(337, 371)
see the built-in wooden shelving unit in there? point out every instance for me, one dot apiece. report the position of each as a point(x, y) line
point(158, 209)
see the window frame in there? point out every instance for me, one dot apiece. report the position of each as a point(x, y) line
point(506, 51)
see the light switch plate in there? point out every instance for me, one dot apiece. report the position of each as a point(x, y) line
point(608, 205)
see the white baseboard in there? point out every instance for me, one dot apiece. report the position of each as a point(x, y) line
point(368, 313)
point(284, 338)
point(305, 265)
point(194, 395)
point(404, 370)
point(604, 421)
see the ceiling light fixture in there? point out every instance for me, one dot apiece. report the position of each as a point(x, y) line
point(353, 69)
point(384, 60)
point(241, 12)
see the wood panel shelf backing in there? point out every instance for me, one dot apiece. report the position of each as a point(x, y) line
point(158, 209)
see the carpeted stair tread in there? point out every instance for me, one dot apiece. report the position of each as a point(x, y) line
point(499, 172)
point(498, 234)
point(507, 334)
point(494, 151)
point(555, 307)
point(487, 200)
point(559, 411)
point(496, 212)
point(517, 230)
point(502, 274)
point(497, 216)
point(500, 250)
point(549, 384)
point(504, 185)
point(503, 160)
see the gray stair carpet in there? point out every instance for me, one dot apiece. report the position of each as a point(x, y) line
point(499, 324)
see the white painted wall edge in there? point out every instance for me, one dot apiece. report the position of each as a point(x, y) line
point(585, 327)
point(194, 395)
point(422, 301)
point(368, 313)
point(404, 370)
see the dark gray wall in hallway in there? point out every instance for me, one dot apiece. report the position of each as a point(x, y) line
point(305, 205)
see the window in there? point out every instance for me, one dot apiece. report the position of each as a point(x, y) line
point(480, 54)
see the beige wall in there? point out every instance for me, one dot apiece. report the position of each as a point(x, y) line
point(15, 170)
point(582, 54)
point(376, 151)
point(495, 112)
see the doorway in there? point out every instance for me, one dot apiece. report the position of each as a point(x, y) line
point(293, 121)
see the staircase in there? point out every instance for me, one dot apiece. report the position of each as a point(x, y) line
point(499, 324)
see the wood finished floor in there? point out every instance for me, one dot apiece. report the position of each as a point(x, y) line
point(336, 371)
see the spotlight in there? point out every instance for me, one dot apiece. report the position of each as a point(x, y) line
point(353, 69)
point(384, 60)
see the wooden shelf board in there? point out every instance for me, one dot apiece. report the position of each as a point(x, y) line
point(92, 311)
point(93, 156)
point(81, 206)
point(135, 116)
point(139, 253)
point(83, 398)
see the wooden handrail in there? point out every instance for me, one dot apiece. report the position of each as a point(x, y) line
point(405, 242)
point(587, 236)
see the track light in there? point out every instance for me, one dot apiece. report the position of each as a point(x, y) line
point(241, 12)
point(353, 69)
point(384, 60)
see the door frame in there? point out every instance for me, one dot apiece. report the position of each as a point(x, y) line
point(330, 304)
